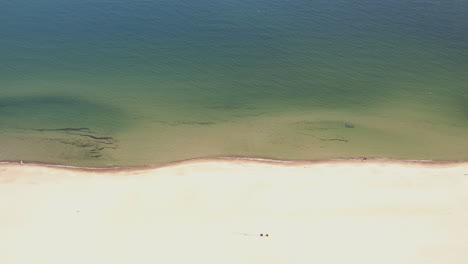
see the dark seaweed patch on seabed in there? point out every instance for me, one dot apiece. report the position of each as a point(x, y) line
point(311, 128)
point(64, 129)
point(322, 125)
point(335, 139)
point(182, 123)
point(92, 144)
point(90, 123)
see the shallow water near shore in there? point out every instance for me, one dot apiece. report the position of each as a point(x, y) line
point(129, 83)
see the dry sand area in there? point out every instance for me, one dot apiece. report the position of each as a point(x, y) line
point(213, 211)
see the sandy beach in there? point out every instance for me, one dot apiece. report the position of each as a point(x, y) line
point(213, 211)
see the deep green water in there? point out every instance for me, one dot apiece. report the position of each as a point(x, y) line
point(120, 82)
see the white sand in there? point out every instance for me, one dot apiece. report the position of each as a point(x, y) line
point(347, 212)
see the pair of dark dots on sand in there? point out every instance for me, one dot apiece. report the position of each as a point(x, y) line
point(264, 235)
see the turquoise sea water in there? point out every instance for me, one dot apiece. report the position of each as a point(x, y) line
point(120, 82)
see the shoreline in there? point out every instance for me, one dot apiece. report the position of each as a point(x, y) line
point(234, 159)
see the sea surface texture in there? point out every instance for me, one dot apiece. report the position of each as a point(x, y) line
point(125, 83)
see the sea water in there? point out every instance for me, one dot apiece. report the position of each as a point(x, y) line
point(122, 83)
